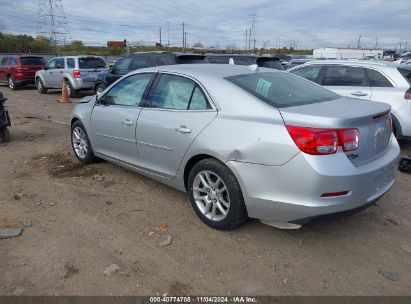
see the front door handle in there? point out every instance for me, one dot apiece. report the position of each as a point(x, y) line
point(127, 122)
point(182, 130)
point(359, 93)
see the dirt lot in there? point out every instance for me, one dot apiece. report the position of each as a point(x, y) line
point(76, 227)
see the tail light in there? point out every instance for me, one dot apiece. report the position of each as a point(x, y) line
point(324, 141)
point(76, 74)
point(408, 94)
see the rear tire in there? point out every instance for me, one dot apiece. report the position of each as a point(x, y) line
point(12, 83)
point(81, 144)
point(4, 135)
point(70, 90)
point(40, 86)
point(216, 195)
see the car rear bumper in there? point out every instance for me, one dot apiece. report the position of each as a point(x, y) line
point(292, 192)
point(79, 84)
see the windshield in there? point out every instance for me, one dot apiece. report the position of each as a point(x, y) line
point(32, 61)
point(91, 62)
point(271, 64)
point(281, 90)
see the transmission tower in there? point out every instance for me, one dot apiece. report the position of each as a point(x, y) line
point(52, 22)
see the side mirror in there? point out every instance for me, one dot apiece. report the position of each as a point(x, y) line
point(113, 69)
point(45, 68)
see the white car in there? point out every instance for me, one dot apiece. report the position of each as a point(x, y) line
point(367, 80)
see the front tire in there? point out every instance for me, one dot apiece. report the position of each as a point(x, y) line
point(216, 195)
point(40, 86)
point(81, 144)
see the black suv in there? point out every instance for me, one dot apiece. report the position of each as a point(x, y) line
point(143, 60)
point(261, 61)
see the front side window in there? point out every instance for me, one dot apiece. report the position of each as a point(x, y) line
point(71, 63)
point(281, 89)
point(52, 64)
point(345, 76)
point(309, 72)
point(178, 93)
point(378, 80)
point(124, 64)
point(129, 91)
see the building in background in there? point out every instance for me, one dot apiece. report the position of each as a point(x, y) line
point(347, 53)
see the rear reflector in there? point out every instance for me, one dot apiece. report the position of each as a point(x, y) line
point(324, 141)
point(76, 74)
point(334, 194)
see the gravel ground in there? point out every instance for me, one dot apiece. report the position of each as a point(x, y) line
point(124, 234)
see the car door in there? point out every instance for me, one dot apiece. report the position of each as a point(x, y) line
point(48, 73)
point(57, 73)
point(177, 110)
point(114, 118)
point(347, 81)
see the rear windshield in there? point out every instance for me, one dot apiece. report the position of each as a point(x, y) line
point(32, 61)
point(282, 90)
point(186, 59)
point(91, 63)
point(406, 72)
point(219, 60)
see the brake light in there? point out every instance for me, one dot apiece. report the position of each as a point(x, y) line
point(76, 74)
point(408, 94)
point(324, 141)
point(335, 194)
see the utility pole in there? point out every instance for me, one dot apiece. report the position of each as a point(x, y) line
point(185, 40)
point(253, 29)
point(160, 35)
point(376, 42)
point(401, 45)
point(246, 39)
point(249, 40)
point(168, 35)
point(184, 45)
point(359, 42)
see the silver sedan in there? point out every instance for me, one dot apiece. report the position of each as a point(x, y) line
point(244, 142)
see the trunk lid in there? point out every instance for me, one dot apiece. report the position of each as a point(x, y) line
point(372, 119)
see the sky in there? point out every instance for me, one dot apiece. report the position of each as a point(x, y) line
point(304, 24)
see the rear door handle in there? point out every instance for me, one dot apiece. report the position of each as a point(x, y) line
point(359, 93)
point(127, 122)
point(182, 130)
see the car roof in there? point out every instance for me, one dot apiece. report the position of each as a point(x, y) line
point(364, 63)
point(206, 70)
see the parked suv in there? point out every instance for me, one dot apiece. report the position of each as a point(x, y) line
point(261, 61)
point(143, 60)
point(80, 73)
point(18, 70)
point(367, 80)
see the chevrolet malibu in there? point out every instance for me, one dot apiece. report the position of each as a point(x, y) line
point(244, 142)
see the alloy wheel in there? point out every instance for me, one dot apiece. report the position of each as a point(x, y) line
point(80, 142)
point(211, 195)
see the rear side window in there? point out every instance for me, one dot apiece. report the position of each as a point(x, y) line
point(71, 63)
point(12, 61)
point(187, 59)
point(309, 72)
point(140, 62)
point(281, 89)
point(344, 76)
point(32, 61)
point(91, 63)
point(165, 59)
point(406, 73)
point(178, 93)
point(378, 80)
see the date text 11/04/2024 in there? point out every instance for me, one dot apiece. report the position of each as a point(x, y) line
point(202, 299)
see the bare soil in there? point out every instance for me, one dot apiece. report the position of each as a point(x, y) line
point(75, 227)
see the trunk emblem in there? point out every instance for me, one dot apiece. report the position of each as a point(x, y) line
point(380, 131)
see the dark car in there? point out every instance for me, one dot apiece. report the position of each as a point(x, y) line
point(143, 60)
point(261, 61)
point(18, 70)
